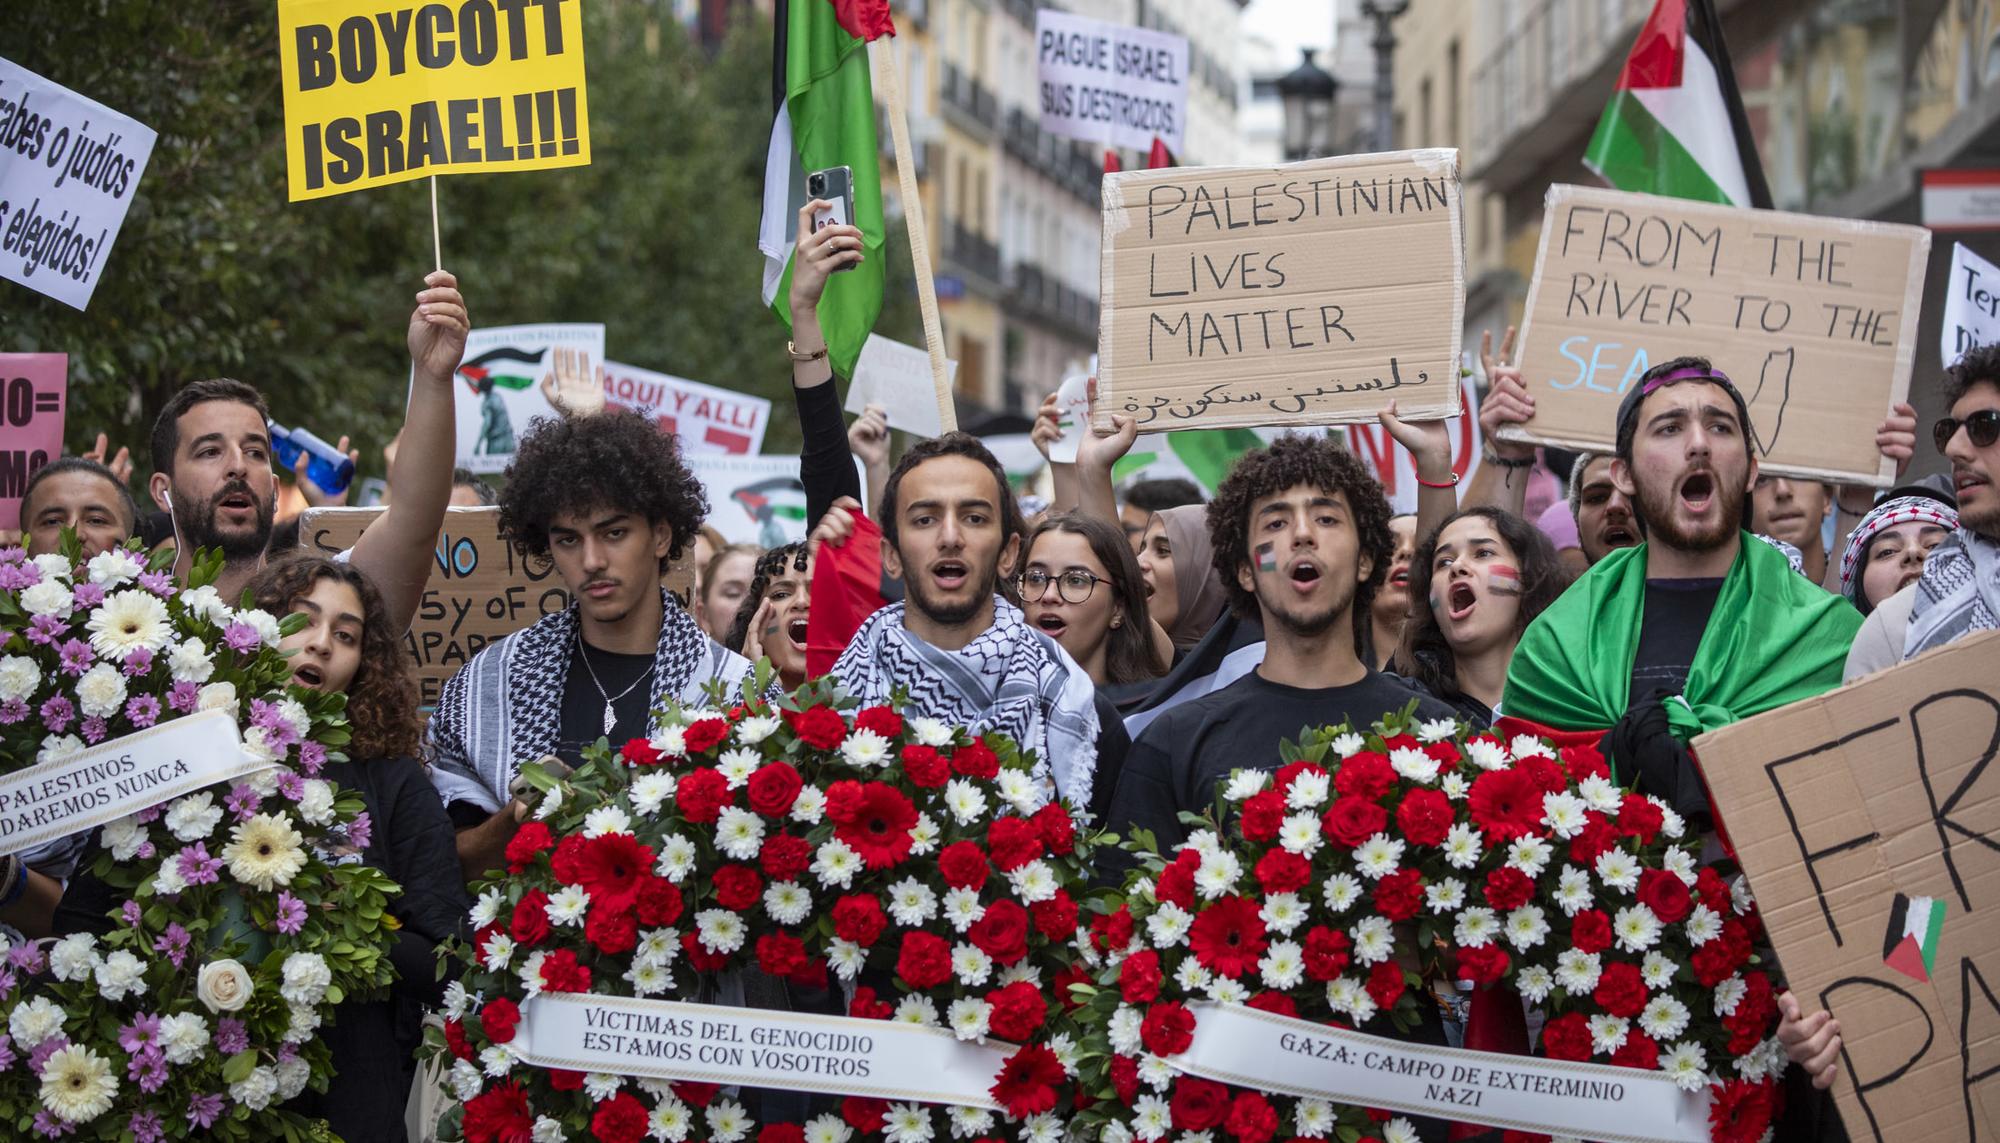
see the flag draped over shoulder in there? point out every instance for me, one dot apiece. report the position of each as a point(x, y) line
point(825, 117)
point(1675, 124)
point(1774, 638)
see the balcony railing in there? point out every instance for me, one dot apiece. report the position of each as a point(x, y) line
point(1034, 294)
point(1526, 80)
point(976, 254)
point(970, 100)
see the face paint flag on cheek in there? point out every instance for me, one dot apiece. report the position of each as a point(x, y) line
point(1267, 557)
point(1503, 580)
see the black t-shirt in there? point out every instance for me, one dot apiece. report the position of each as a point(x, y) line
point(624, 678)
point(1670, 631)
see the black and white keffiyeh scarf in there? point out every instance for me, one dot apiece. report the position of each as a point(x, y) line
point(1958, 594)
point(504, 707)
point(1011, 679)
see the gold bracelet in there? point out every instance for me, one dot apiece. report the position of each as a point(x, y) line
point(793, 349)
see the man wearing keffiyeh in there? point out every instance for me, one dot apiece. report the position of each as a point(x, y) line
point(952, 531)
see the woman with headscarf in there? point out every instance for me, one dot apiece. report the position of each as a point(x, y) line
point(1886, 553)
point(1184, 595)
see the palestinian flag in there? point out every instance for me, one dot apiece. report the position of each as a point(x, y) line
point(777, 506)
point(1204, 456)
point(1676, 125)
point(825, 117)
point(1911, 945)
point(503, 368)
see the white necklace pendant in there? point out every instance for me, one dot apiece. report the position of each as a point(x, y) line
point(610, 719)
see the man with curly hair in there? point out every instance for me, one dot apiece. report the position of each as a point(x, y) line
point(1301, 540)
point(607, 501)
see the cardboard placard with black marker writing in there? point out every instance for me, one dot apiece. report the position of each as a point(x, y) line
point(479, 589)
point(378, 94)
point(1814, 319)
point(1307, 294)
point(1868, 820)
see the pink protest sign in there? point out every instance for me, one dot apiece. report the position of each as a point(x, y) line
point(34, 390)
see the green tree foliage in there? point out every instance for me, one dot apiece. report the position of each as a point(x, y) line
point(216, 274)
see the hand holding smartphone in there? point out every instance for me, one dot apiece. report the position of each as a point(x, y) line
point(836, 186)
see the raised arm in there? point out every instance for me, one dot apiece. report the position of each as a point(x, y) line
point(1502, 478)
point(1429, 444)
point(397, 550)
point(826, 465)
point(1096, 454)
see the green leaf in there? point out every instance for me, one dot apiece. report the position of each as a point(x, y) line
point(238, 1067)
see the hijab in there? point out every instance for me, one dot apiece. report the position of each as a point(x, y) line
point(1202, 596)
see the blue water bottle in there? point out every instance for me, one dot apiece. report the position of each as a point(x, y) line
point(329, 468)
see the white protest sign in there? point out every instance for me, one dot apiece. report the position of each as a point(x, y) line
point(72, 169)
point(898, 378)
point(753, 499)
point(1111, 83)
point(1971, 305)
point(502, 374)
point(1072, 418)
point(792, 1051)
point(704, 417)
point(123, 776)
point(1266, 1052)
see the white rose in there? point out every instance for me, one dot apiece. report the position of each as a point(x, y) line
point(190, 662)
point(217, 696)
point(19, 676)
point(48, 597)
point(101, 690)
point(224, 985)
point(316, 804)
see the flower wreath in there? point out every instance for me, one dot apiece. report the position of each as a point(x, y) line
point(245, 915)
point(1515, 868)
point(918, 867)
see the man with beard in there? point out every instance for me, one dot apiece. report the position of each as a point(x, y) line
point(952, 531)
point(212, 467)
point(1603, 513)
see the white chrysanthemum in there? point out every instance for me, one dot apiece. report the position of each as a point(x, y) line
point(756, 729)
point(846, 958)
point(971, 964)
point(650, 791)
point(1206, 843)
point(1308, 790)
point(1703, 925)
point(486, 910)
point(1043, 1128)
point(969, 1018)
point(835, 863)
point(1301, 834)
point(547, 1130)
point(265, 852)
point(1374, 940)
point(256, 1090)
point(906, 1123)
point(1283, 912)
point(1019, 789)
point(864, 749)
point(33, 1021)
point(263, 623)
point(1034, 881)
point(810, 806)
point(720, 930)
point(1656, 969)
point(600, 1086)
point(1729, 994)
point(183, 1037)
point(1347, 995)
point(1455, 786)
point(306, 978)
point(1526, 927)
point(658, 946)
point(1530, 855)
point(918, 1010)
point(1067, 1051)
point(1572, 894)
point(1340, 892)
point(568, 906)
point(1577, 971)
point(464, 1080)
point(1600, 794)
point(677, 857)
point(671, 741)
point(1534, 983)
point(1379, 856)
point(1462, 846)
point(727, 1121)
point(495, 1060)
point(1636, 928)
point(1245, 784)
point(101, 691)
point(964, 801)
point(1414, 764)
point(48, 597)
point(1608, 1032)
point(1672, 826)
point(787, 902)
point(1282, 966)
point(1434, 730)
point(1445, 896)
point(671, 1120)
point(739, 834)
point(121, 975)
point(1151, 1118)
point(1682, 864)
point(1123, 1031)
point(74, 957)
point(1191, 976)
point(1528, 746)
point(649, 978)
point(1564, 814)
point(1476, 926)
point(1169, 925)
point(1217, 875)
point(19, 676)
point(930, 732)
point(1399, 1130)
point(736, 766)
point(1663, 1018)
point(1349, 744)
point(1618, 870)
point(114, 566)
point(910, 902)
point(962, 908)
point(1224, 990)
point(924, 835)
point(1486, 754)
point(1687, 1066)
point(77, 1084)
point(606, 820)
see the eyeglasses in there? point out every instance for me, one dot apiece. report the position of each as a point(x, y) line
point(1982, 427)
point(1074, 585)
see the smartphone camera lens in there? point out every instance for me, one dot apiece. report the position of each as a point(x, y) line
point(816, 185)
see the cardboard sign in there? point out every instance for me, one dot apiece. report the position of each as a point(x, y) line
point(1391, 463)
point(898, 378)
point(1869, 822)
point(1111, 84)
point(502, 373)
point(479, 590)
point(34, 391)
point(705, 418)
point(1309, 294)
point(1814, 319)
point(754, 499)
point(1971, 305)
point(378, 94)
point(72, 169)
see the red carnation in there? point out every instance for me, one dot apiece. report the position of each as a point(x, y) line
point(528, 842)
point(880, 719)
point(1567, 1037)
point(1505, 804)
point(843, 800)
point(562, 1079)
point(1544, 774)
point(1638, 817)
point(659, 902)
point(773, 787)
point(1013, 843)
point(924, 961)
point(699, 958)
point(925, 767)
point(1175, 884)
point(879, 830)
point(1597, 836)
point(694, 1093)
point(1353, 820)
point(1425, 816)
point(821, 727)
point(1739, 1111)
point(639, 752)
point(561, 973)
point(498, 1115)
point(737, 887)
point(865, 1006)
point(785, 857)
point(1282, 871)
point(568, 858)
point(1713, 890)
point(1397, 895)
point(781, 954)
point(705, 735)
point(1638, 1051)
point(1125, 1078)
point(1167, 1029)
point(962, 864)
point(1057, 828)
point(1110, 932)
point(1584, 761)
point(1620, 990)
point(1508, 888)
point(1072, 974)
point(1327, 952)
point(611, 931)
point(781, 1133)
point(1228, 936)
point(1386, 983)
point(701, 796)
point(1663, 891)
point(1262, 814)
point(1366, 775)
point(1018, 1010)
point(622, 1118)
point(864, 1113)
point(1251, 1119)
point(1139, 978)
point(530, 923)
point(499, 1019)
point(1590, 931)
point(1483, 965)
point(455, 1041)
point(1028, 1081)
point(1056, 918)
point(976, 760)
point(858, 919)
point(1001, 932)
point(1290, 772)
point(1198, 1104)
point(1276, 1002)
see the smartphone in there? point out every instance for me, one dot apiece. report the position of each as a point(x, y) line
point(836, 186)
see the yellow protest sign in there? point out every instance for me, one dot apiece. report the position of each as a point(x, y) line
point(378, 94)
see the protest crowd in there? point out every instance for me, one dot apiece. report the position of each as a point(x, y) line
point(1120, 662)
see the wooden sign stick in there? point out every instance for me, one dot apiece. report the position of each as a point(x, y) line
point(888, 81)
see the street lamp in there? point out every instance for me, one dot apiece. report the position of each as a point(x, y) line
point(1383, 12)
point(1307, 91)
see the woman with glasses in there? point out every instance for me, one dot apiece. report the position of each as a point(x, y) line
point(1080, 584)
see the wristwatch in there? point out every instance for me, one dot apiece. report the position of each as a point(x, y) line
point(793, 349)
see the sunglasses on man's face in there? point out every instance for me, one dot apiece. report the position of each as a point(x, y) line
point(1981, 428)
